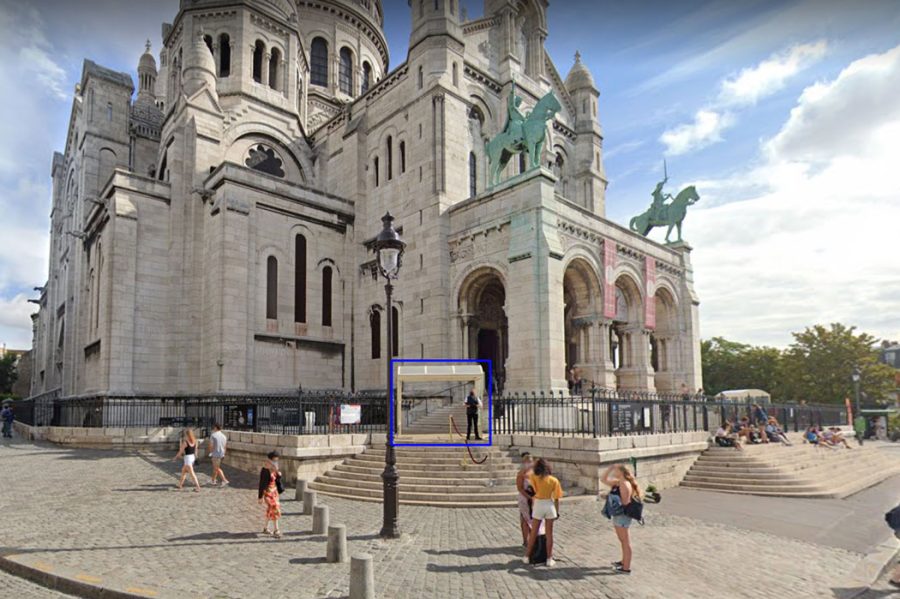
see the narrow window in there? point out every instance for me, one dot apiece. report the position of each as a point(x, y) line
point(375, 168)
point(421, 78)
point(366, 77)
point(395, 332)
point(258, 51)
point(208, 40)
point(375, 333)
point(345, 76)
point(473, 175)
point(390, 158)
point(455, 76)
point(300, 278)
point(522, 162)
point(274, 64)
point(318, 71)
point(109, 111)
point(326, 296)
point(402, 157)
point(272, 288)
point(224, 55)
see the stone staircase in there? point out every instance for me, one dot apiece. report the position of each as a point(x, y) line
point(801, 470)
point(436, 422)
point(436, 476)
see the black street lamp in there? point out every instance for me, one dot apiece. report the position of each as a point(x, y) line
point(855, 376)
point(389, 248)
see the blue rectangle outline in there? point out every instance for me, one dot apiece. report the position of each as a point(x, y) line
point(490, 387)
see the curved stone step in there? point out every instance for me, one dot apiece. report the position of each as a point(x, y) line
point(469, 499)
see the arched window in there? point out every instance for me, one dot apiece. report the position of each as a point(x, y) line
point(421, 78)
point(318, 59)
point(224, 55)
point(390, 158)
point(272, 288)
point(402, 157)
point(375, 333)
point(473, 175)
point(375, 168)
point(208, 40)
point(345, 75)
point(258, 50)
point(274, 64)
point(326, 296)
point(300, 278)
point(395, 332)
point(366, 77)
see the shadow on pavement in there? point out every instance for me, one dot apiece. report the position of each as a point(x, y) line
point(215, 536)
point(478, 551)
point(147, 488)
point(307, 560)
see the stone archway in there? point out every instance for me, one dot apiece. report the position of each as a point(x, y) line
point(664, 342)
point(483, 323)
point(629, 341)
point(582, 306)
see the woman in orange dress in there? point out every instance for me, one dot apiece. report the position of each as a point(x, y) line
point(270, 488)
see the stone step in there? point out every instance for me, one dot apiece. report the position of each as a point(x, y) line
point(456, 466)
point(375, 476)
point(746, 480)
point(426, 473)
point(741, 486)
point(446, 487)
point(509, 498)
point(445, 504)
point(436, 461)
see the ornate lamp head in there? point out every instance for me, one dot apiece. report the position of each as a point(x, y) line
point(389, 248)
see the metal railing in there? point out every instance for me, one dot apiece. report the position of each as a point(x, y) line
point(604, 412)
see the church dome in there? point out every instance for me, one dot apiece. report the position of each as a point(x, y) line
point(147, 60)
point(579, 77)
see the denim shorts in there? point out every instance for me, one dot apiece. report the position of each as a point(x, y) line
point(622, 521)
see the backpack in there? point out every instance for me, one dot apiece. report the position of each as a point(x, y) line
point(635, 509)
point(893, 518)
point(539, 552)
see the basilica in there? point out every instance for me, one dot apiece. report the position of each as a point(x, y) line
point(212, 222)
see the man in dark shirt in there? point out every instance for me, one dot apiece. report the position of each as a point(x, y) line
point(473, 404)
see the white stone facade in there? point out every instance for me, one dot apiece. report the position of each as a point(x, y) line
point(213, 233)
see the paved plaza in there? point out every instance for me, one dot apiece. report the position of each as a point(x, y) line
point(114, 519)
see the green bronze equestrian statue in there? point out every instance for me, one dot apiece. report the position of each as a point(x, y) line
point(521, 133)
point(661, 214)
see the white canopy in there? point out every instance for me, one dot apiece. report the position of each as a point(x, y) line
point(435, 372)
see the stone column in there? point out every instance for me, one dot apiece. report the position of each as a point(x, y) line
point(607, 372)
point(636, 373)
point(264, 71)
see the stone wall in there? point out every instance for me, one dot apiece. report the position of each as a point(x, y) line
point(662, 460)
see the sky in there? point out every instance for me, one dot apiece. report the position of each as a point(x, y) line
point(784, 114)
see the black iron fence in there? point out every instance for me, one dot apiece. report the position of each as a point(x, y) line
point(302, 413)
point(596, 413)
point(603, 412)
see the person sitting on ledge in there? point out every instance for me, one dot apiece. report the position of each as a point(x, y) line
point(813, 437)
point(774, 431)
point(747, 430)
point(834, 437)
point(725, 437)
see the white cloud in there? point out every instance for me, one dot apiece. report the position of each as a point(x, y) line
point(744, 89)
point(15, 321)
point(48, 73)
point(771, 75)
point(706, 129)
point(819, 243)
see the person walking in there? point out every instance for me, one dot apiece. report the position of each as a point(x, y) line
point(859, 428)
point(473, 405)
point(526, 492)
point(8, 417)
point(547, 493)
point(270, 487)
point(187, 449)
point(623, 490)
point(217, 442)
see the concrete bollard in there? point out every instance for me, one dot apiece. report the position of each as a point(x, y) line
point(336, 550)
point(362, 577)
point(320, 520)
point(309, 502)
point(301, 489)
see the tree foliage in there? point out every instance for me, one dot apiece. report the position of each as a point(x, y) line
point(7, 373)
point(816, 367)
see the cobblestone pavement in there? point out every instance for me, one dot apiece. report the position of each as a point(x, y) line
point(11, 586)
point(116, 517)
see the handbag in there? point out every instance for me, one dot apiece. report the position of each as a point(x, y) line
point(635, 510)
point(279, 485)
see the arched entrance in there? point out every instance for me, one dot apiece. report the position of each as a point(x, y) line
point(664, 351)
point(581, 308)
point(629, 342)
point(484, 327)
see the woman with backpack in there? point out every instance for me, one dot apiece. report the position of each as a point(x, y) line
point(624, 491)
point(547, 493)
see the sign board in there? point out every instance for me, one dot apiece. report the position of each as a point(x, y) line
point(622, 417)
point(351, 413)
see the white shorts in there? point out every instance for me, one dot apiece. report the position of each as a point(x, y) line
point(189, 459)
point(544, 509)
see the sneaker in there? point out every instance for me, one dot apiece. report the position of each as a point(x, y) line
point(616, 564)
point(225, 483)
point(551, 562)
point(620, 570)
point(525, 560)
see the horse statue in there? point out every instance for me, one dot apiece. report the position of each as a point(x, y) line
point(670, 215)
point(522, 135)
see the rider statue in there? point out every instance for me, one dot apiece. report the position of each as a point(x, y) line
point(659, 199)
point(514, 118)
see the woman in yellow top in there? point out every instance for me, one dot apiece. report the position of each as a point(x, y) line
point(547, 493)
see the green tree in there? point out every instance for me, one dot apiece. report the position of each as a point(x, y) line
point(7, 373)
point(818, 365)
point(732, 365)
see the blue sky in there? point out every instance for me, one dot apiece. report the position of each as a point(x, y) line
point(784, 114)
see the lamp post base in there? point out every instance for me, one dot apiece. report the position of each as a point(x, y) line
point(390, 529)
